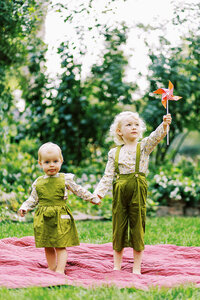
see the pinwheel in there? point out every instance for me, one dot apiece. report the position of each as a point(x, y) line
point(167, 94)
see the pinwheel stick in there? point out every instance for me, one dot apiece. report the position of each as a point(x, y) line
point(167, 125)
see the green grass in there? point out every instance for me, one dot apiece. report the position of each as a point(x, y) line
point(170, 230)
point(103, 293)
point(184, 231)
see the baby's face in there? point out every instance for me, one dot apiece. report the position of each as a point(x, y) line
point(130, 129)
point(51, 161)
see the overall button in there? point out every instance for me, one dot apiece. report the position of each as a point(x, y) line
point(136, 175)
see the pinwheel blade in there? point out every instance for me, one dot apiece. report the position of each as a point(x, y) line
point(171, 86)
point(159, 91)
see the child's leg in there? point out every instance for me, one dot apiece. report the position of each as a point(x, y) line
point(137, 261)
point(117, 259)
point(51, 258)
point(61, 260)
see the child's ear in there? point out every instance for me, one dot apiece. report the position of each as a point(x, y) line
point(118, 131)
point(39, 162)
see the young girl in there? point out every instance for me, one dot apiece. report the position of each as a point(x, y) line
point(54, 226)
point(126, 168)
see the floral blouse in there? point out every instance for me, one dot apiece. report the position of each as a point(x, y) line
point(70, 184)
point(127, 160)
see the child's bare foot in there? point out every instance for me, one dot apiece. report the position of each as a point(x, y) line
point(60, 272)
point(116, 269)
point(137, 271)
point(53, 269)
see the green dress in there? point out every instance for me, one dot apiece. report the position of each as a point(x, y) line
point(129, 207)
point(54, 225)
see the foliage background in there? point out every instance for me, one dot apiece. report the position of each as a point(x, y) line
point(76, 111)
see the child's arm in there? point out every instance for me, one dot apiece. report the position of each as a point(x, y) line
point(79, 190)
point(107, 179)
point(150, 142)
point(30, 203)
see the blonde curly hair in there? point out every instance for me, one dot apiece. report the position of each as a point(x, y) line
point(47, 147)
point(117, 125)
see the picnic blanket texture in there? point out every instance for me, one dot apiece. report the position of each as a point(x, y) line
point(91, 265)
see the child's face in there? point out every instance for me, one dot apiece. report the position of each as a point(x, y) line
point(130, 129)
point(51, 162)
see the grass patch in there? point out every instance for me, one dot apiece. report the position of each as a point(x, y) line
point(184, 231)
point(100, 293)
point(180, 231)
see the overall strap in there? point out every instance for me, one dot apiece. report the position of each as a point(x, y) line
point(137, 158)
point(117, 159)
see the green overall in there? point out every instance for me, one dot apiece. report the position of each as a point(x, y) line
point(54, 225)
point(129, 207)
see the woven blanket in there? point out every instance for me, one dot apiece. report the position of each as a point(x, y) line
point(90, 265)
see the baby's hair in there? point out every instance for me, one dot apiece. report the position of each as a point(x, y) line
point(117, 124)
point(49, 146)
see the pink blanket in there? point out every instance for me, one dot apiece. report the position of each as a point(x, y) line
point(23, 265)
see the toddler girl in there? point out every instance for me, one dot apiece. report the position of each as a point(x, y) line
point(54, 227)
point(125, 170)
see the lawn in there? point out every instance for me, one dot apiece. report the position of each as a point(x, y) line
point(167, 230)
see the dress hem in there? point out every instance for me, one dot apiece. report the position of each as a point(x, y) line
point(54, 246)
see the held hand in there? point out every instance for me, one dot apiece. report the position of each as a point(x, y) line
point(167, 119)
point(96, 200)
point(22, 212)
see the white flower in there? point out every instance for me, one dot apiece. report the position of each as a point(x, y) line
point(84, 177)
point(157, 178)
point(177, 182)
point(87, 186)
point(92, 178)
point(5, 172)
point(78, 181)
point(171, 182)
point(99, 153)
point(187, 189)
point(165, 179)
point(164, 185)
point(173, 194)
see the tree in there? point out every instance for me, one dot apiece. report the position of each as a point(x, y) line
point(19, 23)
point(78, 115)
point(181, 66)
point(108, 89)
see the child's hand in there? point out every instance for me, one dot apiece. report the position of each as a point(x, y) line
point(22, 212)
point(167, 119)
point(96, 200)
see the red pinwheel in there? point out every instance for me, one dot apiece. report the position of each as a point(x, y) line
point(167, 94)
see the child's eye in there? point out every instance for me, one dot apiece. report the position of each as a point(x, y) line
point(55, 161)
point(128, 124)
point(46, 162)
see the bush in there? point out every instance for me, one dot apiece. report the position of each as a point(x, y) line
point(178, 181)
point(18, 171)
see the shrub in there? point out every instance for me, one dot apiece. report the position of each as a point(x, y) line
point(178, 181)
point(19, 169)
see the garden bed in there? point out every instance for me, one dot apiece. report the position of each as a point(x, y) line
point(177, 210)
